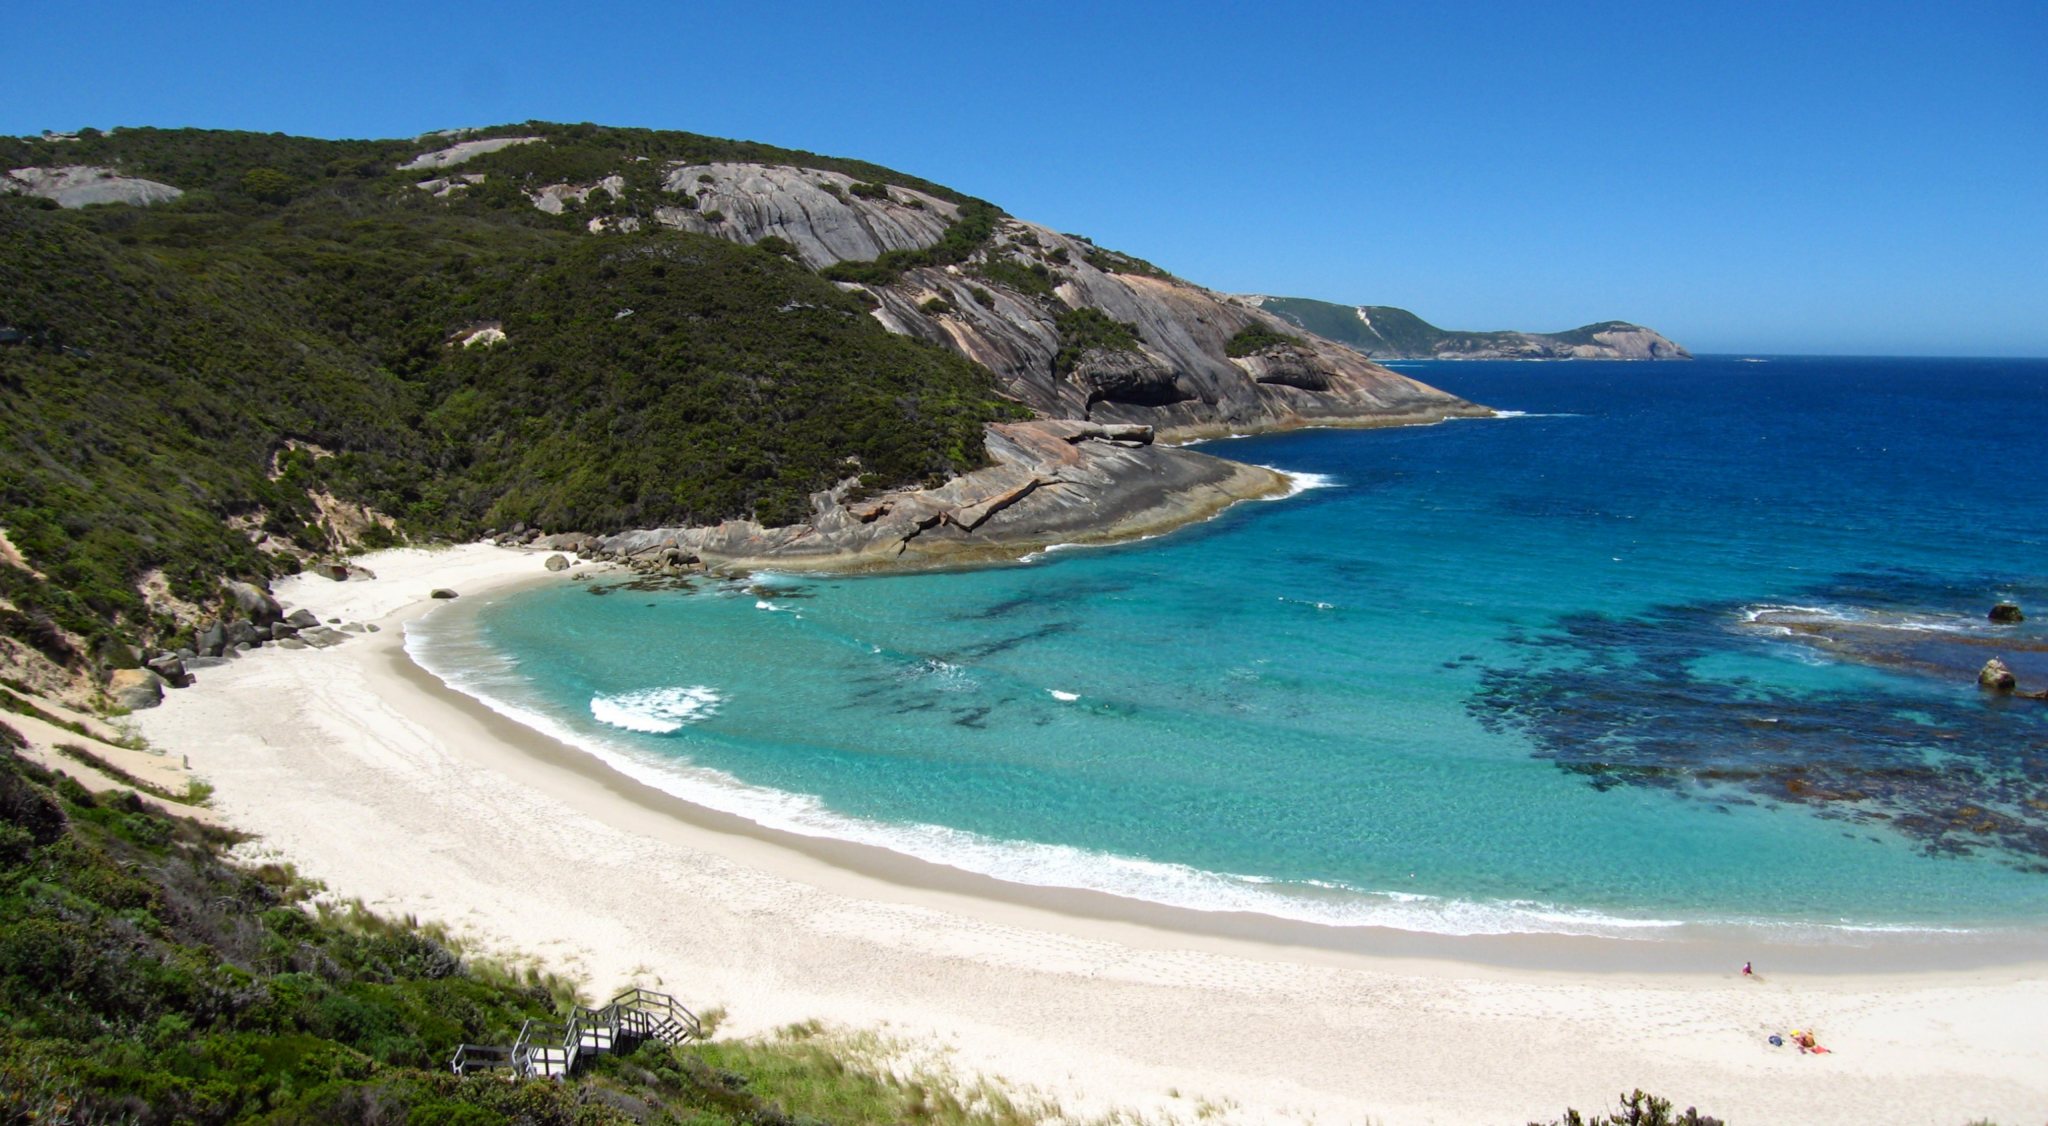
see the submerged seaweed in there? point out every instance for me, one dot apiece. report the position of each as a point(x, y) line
point(1620, 702)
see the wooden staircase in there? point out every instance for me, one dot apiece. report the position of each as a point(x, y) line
point(549, 1049)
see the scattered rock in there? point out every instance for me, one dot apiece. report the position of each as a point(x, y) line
point(304, 619)
point(291, 643)
point(372, 628)
point(336, 571)
point(1996, 677)
point(2007, 612)
point(442, 592)
point(135, 689)
point(353, 627)
point(212, 639)
point(557, 563)
point(206, 662)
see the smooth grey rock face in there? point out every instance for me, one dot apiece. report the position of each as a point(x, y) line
point(758, 200)
point(462, 151)
point(78, 185)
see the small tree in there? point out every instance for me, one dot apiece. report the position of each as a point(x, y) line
point(268, 185)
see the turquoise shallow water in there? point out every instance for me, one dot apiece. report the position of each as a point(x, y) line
point(1681, 644)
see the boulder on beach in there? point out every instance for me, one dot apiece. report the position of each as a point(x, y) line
point(1997, 677)
point(2007, 612)
point(135, 689)
point(557, 563)
point(255, 602)
point(442, 592)
point(304, 619)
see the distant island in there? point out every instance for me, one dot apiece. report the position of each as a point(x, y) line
point(1383, 332)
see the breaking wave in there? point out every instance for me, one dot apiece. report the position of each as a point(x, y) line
point(656, 711)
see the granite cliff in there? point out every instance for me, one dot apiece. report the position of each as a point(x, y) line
point(1009, 297)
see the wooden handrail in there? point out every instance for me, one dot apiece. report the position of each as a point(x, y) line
point(554, 1048)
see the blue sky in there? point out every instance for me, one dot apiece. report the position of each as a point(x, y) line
point(1759, 177)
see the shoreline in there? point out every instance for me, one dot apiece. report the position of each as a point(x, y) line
point(369, 772)
point(1904, 950)
point(1680, 948)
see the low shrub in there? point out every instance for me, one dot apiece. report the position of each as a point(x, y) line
point(1254, 338)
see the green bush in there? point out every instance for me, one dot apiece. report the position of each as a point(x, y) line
point(1033, 280)
point(870, 191)
point(964, 236)
point(1086, 329)
point(1256, 337)
point(936, 305)
point(1113, 262)
point(268, 185)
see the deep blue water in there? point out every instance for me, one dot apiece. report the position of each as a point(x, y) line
point(1684, 643)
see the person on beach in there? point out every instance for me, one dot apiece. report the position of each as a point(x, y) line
point(1746, 971)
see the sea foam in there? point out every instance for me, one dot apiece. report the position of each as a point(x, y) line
point(656, 711)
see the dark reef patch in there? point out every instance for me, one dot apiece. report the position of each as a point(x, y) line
point(1620, 701)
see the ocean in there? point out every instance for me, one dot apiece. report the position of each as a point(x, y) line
point(1671, 649)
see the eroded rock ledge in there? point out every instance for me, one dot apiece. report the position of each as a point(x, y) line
point(1053, 481)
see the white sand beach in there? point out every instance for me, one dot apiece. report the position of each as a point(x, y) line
point(356, 766)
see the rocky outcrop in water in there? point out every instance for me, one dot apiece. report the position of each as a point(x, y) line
point(1053, 481)
point(1177, 378)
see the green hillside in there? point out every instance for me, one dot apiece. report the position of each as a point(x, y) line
point(1384, 332)
point(196, 362)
